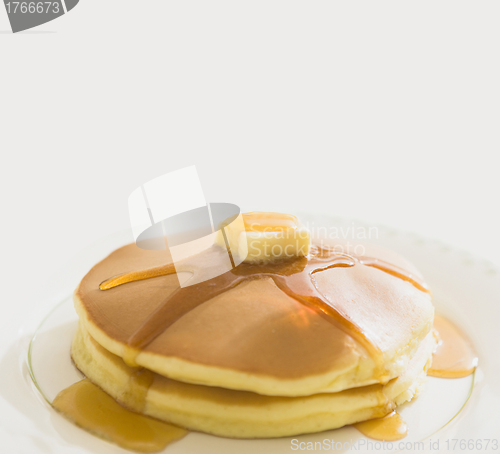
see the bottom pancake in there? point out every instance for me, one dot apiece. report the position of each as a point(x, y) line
point(243, 414)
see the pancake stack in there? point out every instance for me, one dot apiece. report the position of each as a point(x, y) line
point(255, 357)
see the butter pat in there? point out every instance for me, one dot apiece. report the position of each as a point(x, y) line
point(264, 237)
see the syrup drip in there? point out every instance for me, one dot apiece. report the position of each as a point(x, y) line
point(295, 277)
point(389, 428)
point(454, 356)
point(98, 413)
point(395, 271)
point(138, 276)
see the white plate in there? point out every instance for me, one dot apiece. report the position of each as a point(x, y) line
point(465, 288)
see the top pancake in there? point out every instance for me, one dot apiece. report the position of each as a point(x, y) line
point(255, 337)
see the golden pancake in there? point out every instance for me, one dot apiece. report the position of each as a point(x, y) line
point(243, 414)
point(257, 335)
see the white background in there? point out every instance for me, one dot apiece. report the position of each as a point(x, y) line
point(383, 111)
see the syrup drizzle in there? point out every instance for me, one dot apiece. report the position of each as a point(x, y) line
point(138, 276)
point(91, 408)
point(389, 428)
point(295, 277)
point(395, 271)
point(454, 356)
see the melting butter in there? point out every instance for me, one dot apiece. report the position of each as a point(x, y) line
point(92, 409)
point(266, 237)
point(259, 221)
